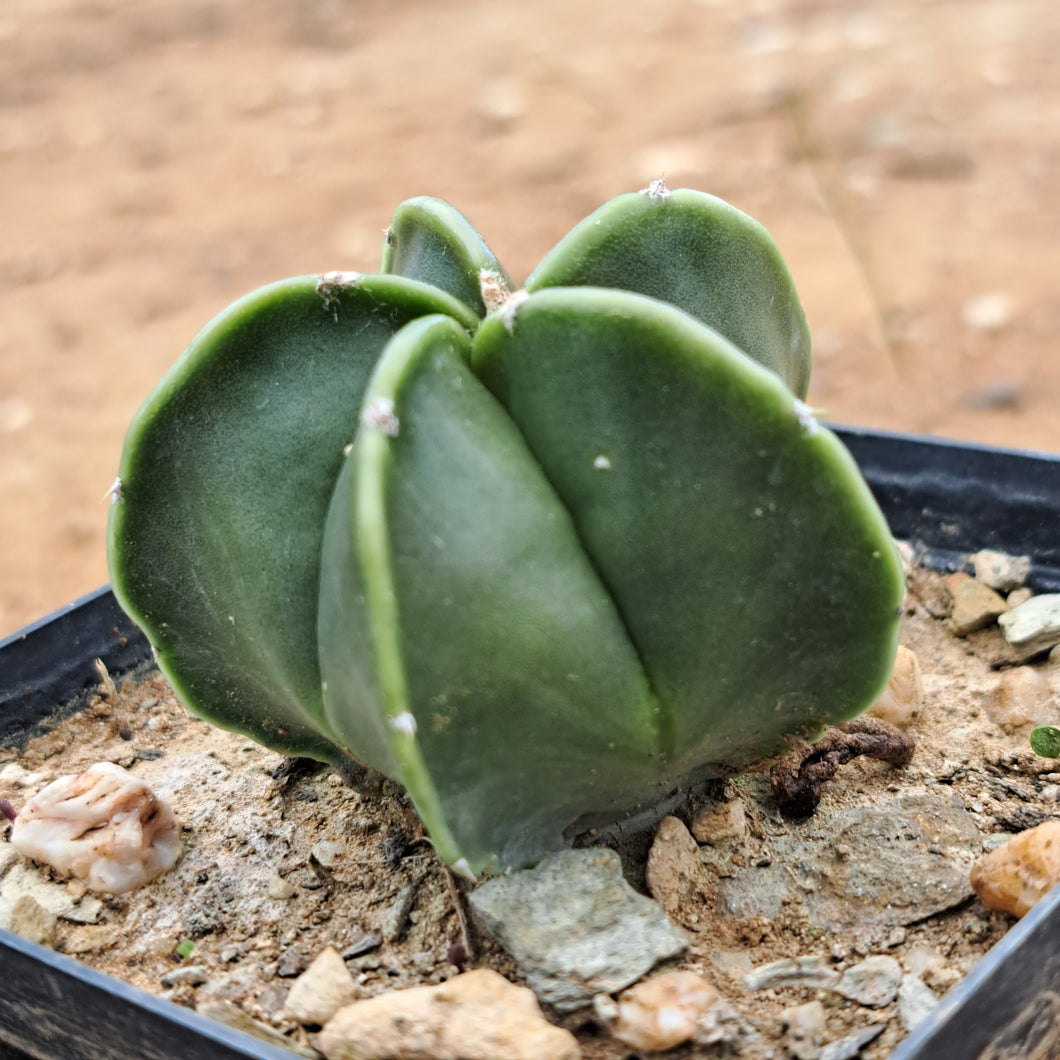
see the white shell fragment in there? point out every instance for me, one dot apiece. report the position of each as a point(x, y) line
point(104, 826)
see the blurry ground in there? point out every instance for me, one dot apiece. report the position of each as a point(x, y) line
point(157, 160)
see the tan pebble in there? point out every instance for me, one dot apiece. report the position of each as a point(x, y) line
point(472, 1015)
point(321, 990)
point(1013, 877)
point(806, 1027)
point(30, 920)
point(974, 605)
point(724, 820)
point(663, 1012)
point(677, 879)
point(900, 701)
point(279, 888)
point(1021, 697)
point(1019, 596)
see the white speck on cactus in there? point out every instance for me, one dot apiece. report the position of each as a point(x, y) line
point(114, 493)
point(601, 463)
point(495, 292)
point(404, 723)
point(511, 307)
point(379, 415)
point(806, 418)
point(657, 190)
point(330, 283)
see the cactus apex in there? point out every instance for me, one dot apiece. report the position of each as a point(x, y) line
point(511, 307)
point(657, 190)
point(494, 287)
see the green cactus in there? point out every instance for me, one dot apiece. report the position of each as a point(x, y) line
point(539, 556)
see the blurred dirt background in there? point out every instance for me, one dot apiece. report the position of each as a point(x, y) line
point(159, 159)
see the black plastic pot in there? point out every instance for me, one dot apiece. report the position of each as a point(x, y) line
point(948, 499)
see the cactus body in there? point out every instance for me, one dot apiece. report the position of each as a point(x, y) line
point(539, 567)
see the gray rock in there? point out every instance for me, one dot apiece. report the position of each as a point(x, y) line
point(793, 971)
point(882, 864)
point(848, 1047)
point(1034, 626)
point(397, 916)
point(872, 982)
point(193, 975)
point(805, 1027)
point(364, 943)
point(575, 927)
point(915, 1001)
point(999, 570)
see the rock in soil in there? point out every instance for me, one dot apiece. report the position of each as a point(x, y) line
point(974, 604)
point(1034, 626)
point(1022, 697)
point(804, 1029)
point(677, 878)
point(478, 1014)
point(872, 982)
point(999, 570)
point(321, 990)
point(899, 704)
point(664, 1011)
point(1020, 873)
point(575, 927)
point(915, 1001)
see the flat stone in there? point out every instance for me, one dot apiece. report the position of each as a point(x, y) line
point(321, 990)
point(192, 975)
point(915, 1001)
point(575, 927)
point(999, 570)
point(975, 605)
point(814, 972)
point(885, 864)
point(473, 1015)
point(850, 1045)
point(364, 943)
point(872, 982)
point(396, 918)
point(1034, 626)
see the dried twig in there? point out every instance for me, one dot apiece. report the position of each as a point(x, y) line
point(797, 779)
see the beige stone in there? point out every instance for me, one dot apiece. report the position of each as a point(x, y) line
point(975, 606)
point(724, 820)
point(478, 1014)
point(30, 920)
point(664, 1011)
point(321, 990)
point(900, 701)
point(1015, 876)
point(1022, 697)
point(677, 878)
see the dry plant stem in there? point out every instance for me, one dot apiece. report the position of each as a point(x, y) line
point(797, 779)
point(456, 895)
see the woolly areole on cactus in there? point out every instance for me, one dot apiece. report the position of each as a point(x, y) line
point(539, 556)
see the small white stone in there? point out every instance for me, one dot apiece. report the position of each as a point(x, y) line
point(915, 1001)
point(999, 570)
point(104, 826)
point(664, 1011)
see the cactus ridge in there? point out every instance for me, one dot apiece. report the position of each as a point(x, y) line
point(539, 567)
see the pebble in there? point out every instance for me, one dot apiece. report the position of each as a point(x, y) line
point(676, 876)
point(321, 990)
point(365, 943)
point(805, 1027)
point(292, 962)
point(915, 1001)
point(900, 701)
point(575, 927)
point(327, 854)
point(724, 820)
point(396, 918)
point(1034, 626)
point(663, 1012)
point(472, 1015)
point(1018, 596)
point(1022, 697)
point(193, 975)
point(999, 570)
point(279, 888)
point(850, 1045)
point(813, 972)
point(872, 982)
point(91, 938)
point(975, 605)
point(31, 921)
point(987, 312)
point(1014, 877)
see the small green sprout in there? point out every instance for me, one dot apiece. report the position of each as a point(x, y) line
point(184, 949)
point(1045, 741)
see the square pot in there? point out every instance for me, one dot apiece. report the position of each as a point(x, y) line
point(948, 499)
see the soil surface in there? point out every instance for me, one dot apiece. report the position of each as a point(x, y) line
point(281, 859)
point(160, 159)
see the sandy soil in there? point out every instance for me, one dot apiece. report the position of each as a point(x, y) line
point(159, 159)
point(343, 861)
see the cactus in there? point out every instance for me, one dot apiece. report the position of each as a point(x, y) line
point(541, 556)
